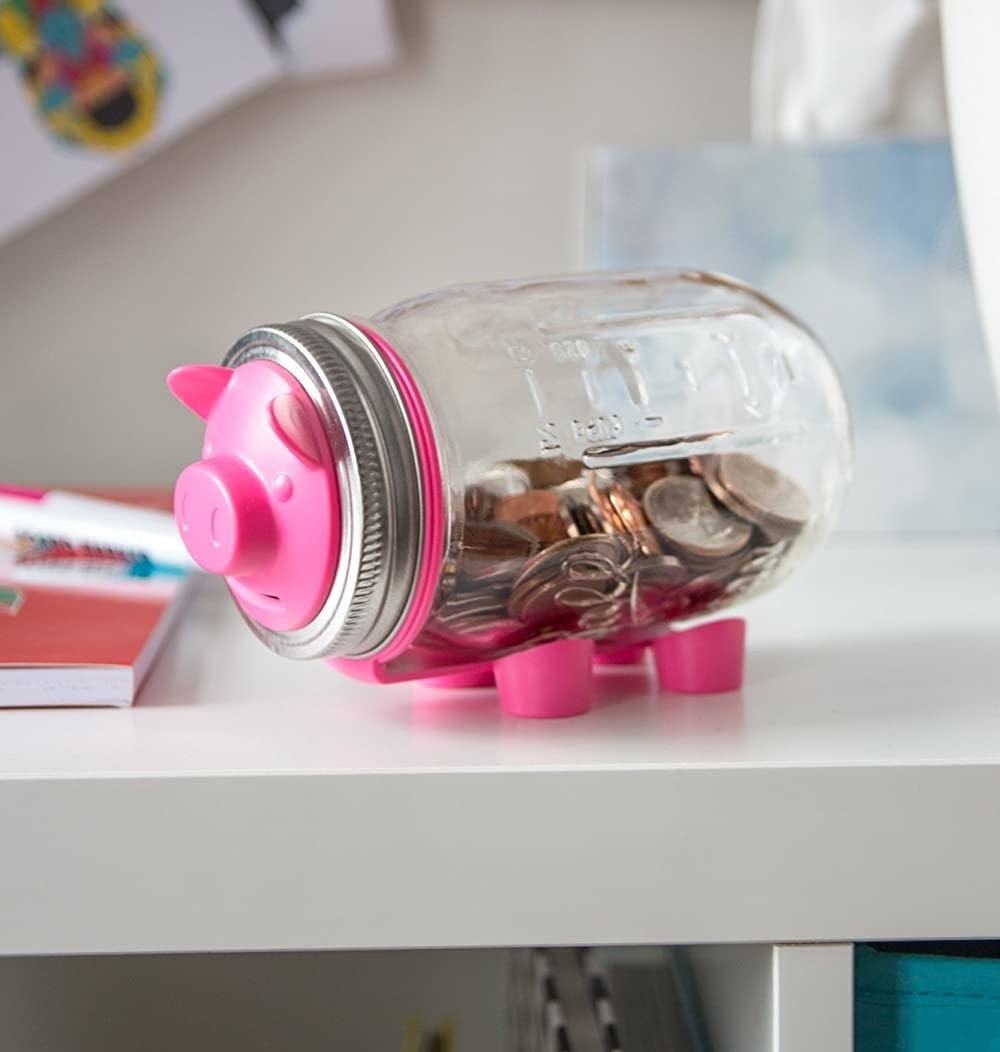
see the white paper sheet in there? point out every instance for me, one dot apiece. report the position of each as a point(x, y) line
point(321, 36)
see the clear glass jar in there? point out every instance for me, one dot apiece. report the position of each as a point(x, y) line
point(519, 462)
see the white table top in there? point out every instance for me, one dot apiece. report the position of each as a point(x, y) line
point(851, 790)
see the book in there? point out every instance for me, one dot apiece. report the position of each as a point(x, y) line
point(613, 999)
point(584, 1033)
point(549, 1006)
point(81, 626)
point(654, 1009)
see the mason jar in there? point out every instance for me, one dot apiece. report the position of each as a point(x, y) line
point(512, 478)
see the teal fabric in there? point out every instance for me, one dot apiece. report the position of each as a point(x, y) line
point(912, 1002)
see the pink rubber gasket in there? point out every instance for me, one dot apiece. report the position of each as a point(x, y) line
point(432, 484)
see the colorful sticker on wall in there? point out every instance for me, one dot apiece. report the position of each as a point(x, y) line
point(91, 76)
point(10, 600)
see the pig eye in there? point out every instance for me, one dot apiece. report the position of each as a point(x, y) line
point(291, 424)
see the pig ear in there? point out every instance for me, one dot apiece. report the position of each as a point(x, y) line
point(291, 423)
point(199, 386)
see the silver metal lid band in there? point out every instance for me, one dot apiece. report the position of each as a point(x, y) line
point(375, 455)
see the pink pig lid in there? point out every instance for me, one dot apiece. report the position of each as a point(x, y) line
point(307, 498)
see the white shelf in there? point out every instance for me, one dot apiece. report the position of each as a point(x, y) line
point(851, 791)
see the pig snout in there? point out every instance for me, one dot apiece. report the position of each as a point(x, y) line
point(224, 516)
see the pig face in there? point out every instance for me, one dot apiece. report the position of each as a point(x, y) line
point(261, 507)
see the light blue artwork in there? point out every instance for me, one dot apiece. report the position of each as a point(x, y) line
point(864, 243)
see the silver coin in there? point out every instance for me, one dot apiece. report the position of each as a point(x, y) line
point(758, 492)
point(704, 593)
point(593, 593)
point(475, 619)
point(590, 567)
point(683, 511)
point(665, 571)
point(755, 572)
point(658, 588)
point(656, 592)
point(555, 599)
point(571, 575)
point(764, 558)
point(489, 635)
point(638, 607)
point(474, 606)
point(552, 561)
point(607, 617)
point(540, 605)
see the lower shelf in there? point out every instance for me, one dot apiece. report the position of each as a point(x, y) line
point(752, 999)
point(306, 1002)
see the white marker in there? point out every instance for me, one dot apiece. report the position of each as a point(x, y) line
point(83, 520)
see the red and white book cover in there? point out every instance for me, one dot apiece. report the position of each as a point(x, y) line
point(79, 628)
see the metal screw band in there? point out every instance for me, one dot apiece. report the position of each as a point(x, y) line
point(376, 462)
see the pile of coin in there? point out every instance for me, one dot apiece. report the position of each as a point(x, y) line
point(550, 548)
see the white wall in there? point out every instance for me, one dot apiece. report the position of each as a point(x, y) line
point(464, 162)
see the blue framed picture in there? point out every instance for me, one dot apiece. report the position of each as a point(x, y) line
point(864, 243)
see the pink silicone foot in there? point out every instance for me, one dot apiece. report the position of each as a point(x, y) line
point(703, 660)
point(477, 676)
point(554, 679)
point(634, 655)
